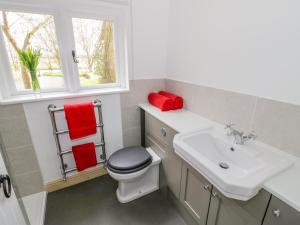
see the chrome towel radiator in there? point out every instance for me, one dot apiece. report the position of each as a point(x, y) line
point(61, 153)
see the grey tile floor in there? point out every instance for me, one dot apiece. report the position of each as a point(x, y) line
point(94, 203)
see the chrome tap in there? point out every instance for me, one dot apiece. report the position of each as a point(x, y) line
point(239, 137)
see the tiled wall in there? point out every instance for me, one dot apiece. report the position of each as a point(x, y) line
point(276, 123)
point(139, 90)
point(19, 150)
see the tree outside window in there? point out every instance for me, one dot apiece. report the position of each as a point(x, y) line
point(95, 51)
point(94, 45)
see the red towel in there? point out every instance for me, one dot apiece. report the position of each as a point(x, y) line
point(178, 101)
point(81, 119)
point(85, 156)
point(161, 102)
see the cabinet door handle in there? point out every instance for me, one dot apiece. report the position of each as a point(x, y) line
point(206, 187)
point(276, 212)
point(163, 132)
point(214, 194)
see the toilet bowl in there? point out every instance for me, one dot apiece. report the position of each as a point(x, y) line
point(137, 171)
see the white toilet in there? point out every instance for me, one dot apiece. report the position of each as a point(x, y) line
point(137, 171)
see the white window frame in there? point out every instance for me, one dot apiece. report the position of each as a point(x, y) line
point(119, 48)
point(63, 13)
point(8, 75)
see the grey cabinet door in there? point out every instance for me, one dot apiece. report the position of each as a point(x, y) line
point(226, 211)
point(195, 193)
point(280, 213)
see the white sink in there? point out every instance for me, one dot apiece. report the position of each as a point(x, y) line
point(211, 151)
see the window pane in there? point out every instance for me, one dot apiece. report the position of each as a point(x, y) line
point(95, 51)
point(23, 30)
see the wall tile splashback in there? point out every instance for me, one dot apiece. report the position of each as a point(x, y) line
point(139, 90)
point(276, 123)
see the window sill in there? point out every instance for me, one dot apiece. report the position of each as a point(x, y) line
point(60, 95)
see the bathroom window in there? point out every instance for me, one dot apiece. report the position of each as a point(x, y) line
point(37, 31)
point(94, 51)
point(81, 49)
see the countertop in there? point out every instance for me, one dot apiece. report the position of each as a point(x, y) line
point(285, 186)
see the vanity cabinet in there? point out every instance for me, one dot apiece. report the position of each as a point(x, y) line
point(226, 211)
point(195, 194)
point(280, 213)
point(159, 137)
point(197, 200)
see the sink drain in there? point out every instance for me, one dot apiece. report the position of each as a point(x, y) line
point(223, 165)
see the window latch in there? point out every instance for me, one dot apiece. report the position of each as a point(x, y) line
point(75, 59)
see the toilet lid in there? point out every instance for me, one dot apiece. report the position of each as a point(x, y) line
point(129, 158)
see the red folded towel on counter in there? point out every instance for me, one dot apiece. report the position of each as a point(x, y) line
point(85, 156)
point(161, 102)
point(81, 119)
point(178, 101)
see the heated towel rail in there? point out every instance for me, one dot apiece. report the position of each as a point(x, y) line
point(61, 153)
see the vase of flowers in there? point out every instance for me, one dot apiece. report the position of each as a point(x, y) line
point(30, 59)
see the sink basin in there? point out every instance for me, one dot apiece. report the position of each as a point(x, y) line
point(238, 171)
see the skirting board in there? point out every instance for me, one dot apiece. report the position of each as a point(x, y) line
point(77, 178)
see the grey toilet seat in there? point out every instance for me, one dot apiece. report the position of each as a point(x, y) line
point(129, 160)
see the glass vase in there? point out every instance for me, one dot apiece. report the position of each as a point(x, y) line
point(35, 82)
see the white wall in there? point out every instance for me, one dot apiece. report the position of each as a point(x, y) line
point(252, 47)
point(42, 134)
point(150, 31)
